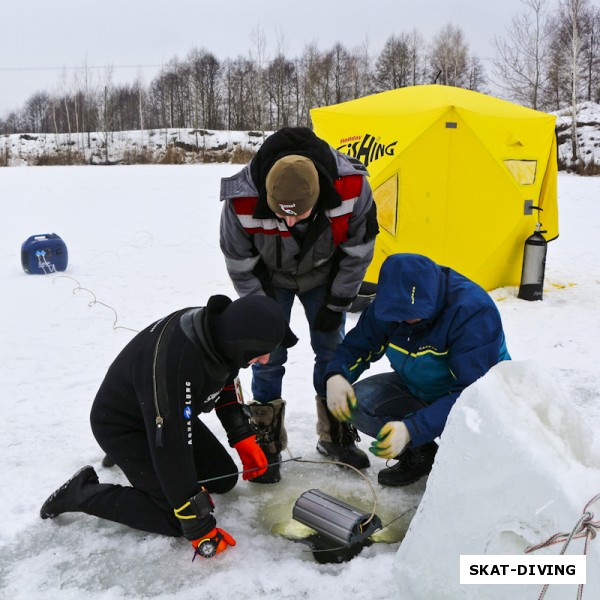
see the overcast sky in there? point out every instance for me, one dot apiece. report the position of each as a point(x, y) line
point(43, 42)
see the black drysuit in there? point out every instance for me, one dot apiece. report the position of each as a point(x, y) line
point(170, 371)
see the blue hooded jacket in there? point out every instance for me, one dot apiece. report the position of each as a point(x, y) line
point(458, 339)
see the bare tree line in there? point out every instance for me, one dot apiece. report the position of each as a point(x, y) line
point(546, 60)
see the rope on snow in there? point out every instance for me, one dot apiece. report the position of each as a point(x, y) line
point(94, 300)
point(586, 528)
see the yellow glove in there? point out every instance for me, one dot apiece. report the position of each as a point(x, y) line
point(340, 398)
point(391, 440)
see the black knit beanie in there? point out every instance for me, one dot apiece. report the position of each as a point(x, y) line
point(248, 327)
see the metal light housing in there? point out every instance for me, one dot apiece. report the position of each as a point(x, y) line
point(336, 521)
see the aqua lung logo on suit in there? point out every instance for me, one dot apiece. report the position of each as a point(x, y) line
point(187, 411)
point(366, 148)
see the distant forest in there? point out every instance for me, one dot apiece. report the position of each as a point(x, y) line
point(547, 60)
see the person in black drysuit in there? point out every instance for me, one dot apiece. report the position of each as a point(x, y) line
point(145, 417)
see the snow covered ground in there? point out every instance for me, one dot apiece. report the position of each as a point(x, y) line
point(143, 241)
point(173, 146)
point(588, 132)
point(203, 145)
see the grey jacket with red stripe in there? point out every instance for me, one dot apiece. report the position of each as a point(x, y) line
point(336, 249)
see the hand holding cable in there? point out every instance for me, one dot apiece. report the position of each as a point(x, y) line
point(341, 400)
point(252, 457)
point(215, 541)
point(391, 440)
point(199, 526)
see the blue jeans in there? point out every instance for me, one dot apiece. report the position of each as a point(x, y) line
point(380, 399)
point(267, 379)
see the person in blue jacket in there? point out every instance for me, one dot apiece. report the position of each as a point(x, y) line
point(441, 332)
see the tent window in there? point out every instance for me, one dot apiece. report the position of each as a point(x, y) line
point(386, 198)
point(522, 170)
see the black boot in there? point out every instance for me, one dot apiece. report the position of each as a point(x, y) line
point(337, 440)
point(69, 496)
point(107, 462)
point(271, 436)
point(412, 464)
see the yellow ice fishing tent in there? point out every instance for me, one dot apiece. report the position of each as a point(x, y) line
point(456, 175)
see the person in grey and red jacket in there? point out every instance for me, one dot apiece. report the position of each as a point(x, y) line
point(299, 220)
point(147, 418)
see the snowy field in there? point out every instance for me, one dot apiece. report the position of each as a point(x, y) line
point(143, 241)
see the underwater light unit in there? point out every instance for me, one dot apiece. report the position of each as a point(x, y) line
point(339, 523)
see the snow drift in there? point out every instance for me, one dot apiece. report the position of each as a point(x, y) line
point(516, 465)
